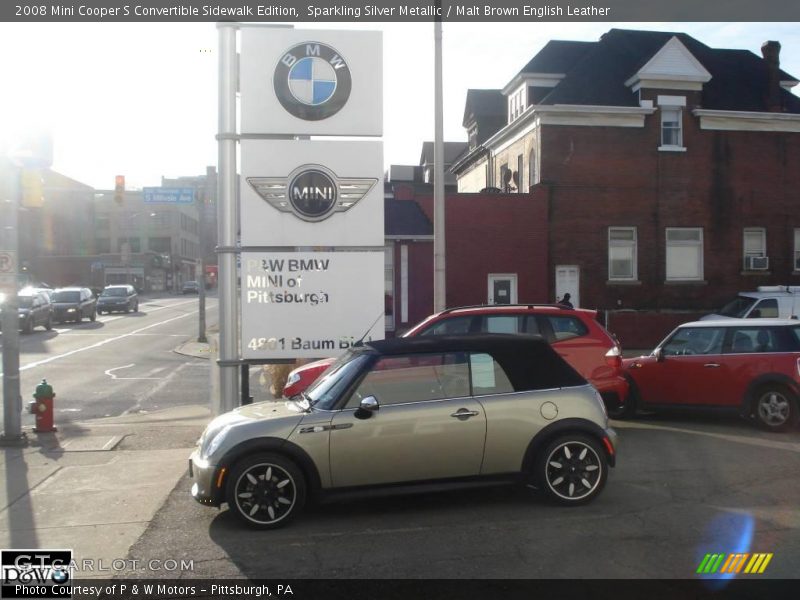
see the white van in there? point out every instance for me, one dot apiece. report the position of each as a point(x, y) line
point(769, 301)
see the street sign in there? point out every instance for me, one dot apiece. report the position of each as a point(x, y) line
point(8, 272)
point(168, 195)
point(311, 82)
point(309, 304)
point(312, 193)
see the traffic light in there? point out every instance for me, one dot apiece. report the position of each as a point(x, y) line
point(119, 189)
point(32, 193)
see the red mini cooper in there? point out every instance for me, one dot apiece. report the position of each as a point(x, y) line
point(747, 365)
point(574, 333)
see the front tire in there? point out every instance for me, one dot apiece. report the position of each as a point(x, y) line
point(266, 491)
point(572, 470)
point(93, 316)
point(49, 324)
point(775, 408)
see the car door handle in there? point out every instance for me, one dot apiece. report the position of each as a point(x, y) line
point(463, 414)
point(711, 365)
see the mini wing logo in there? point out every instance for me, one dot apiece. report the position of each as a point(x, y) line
point(312, 192)
point(312, 81)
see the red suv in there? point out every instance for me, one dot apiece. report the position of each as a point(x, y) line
point(748, 365)
point(574, 333)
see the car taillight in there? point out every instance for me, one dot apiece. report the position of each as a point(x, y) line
point(614, 357)
point(798, 367)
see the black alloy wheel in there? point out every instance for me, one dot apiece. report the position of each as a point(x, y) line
point(266, 491)
point(572, 469)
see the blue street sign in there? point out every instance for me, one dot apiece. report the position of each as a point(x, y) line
point(168, 195)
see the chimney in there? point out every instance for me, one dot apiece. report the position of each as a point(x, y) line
point(771, 51)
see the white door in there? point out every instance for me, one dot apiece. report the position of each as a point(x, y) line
point(502, 288)
point(568, 280)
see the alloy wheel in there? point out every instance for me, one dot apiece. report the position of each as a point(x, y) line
point(265, 494)
point(773, 408)
point(573, 470)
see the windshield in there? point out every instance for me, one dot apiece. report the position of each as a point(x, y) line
point(327, 389)
point(67, 297)
point(737, 307)
point(114, 292)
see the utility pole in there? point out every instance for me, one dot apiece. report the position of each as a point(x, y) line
point(439, 273)
point(201, 280)
point(12, 405)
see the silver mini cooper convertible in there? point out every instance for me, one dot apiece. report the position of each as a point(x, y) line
point(412, 413)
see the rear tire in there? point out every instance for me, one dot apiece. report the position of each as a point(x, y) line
point(49, 324)
point(266, 490)
point(775, 408)
point(572, 469)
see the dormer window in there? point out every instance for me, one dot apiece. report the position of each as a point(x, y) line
point(672, 109)
point(473, 137)
point(516, 104)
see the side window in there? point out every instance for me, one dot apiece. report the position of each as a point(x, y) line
point(488, 377)
point(502, 324)
point(695, 340)
point(766, 309)
point(414, 378)
point(795, 335)
point(448, 326)
point(565, 328)
point(745, 341)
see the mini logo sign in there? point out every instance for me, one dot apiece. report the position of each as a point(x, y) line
point(311, 192)
point(312, 81)
point(35, 573)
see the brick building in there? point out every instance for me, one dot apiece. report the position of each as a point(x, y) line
point(669, 169)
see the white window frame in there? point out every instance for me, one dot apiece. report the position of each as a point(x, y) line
point(761, 251)
point(684, 244)
point(632, 244)
point(671, 111)
point(796, 250)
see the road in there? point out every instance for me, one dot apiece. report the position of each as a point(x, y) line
point(119, 363)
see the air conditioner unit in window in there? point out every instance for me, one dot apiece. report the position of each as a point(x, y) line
point(756, 263)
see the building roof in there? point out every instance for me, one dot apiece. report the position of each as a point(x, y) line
point(738, 77)
point(452, 150)
point(484, 103)
point(405, 218)
point(557, 56)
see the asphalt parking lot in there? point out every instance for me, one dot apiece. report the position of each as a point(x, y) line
point(685, 485)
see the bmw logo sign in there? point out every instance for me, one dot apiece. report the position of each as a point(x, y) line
point(312, 194)
point(312, 81)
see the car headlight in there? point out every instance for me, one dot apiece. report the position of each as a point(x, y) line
point(212, 442)
point(292, 379)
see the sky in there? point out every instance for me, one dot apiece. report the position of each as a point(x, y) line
point(140, 99)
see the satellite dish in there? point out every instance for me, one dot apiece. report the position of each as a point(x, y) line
point(516, 178)
point(506, 176)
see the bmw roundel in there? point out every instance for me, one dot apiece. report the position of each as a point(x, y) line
point(312, 81)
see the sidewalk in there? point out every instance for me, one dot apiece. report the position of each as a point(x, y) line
point(94, 486)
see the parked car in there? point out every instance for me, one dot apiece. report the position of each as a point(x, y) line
point(422, 412)
point(34, 310)
point(768, 302)
point(741, 365)
point(574, 333)
point(190, 287)
point(118, 298)
point(73, 304)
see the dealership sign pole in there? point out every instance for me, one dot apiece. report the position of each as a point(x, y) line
point(227, 228)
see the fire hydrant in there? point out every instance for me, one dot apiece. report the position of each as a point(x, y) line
point(42, 407)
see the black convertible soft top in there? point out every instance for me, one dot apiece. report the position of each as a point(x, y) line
point(528, 360)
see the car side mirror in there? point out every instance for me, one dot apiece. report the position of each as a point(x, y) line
point(659, 354)
point(366, 407)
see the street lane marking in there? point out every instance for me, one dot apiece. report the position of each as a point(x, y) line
point(110, 373)
point(102, 342)
point(740, 439)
